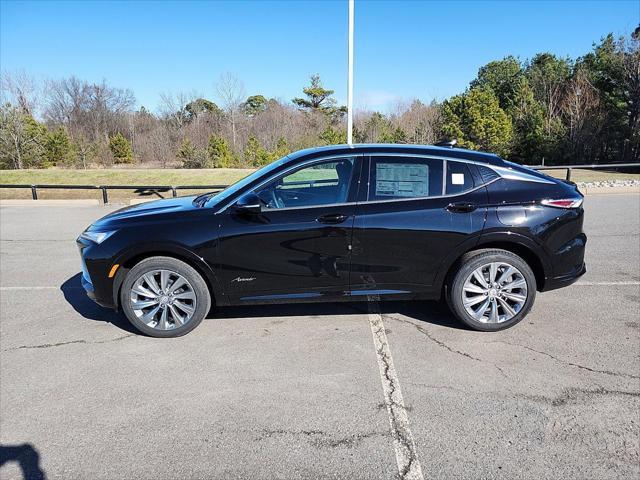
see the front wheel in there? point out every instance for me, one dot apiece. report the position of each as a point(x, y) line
point(164, 297)
point(492, 290)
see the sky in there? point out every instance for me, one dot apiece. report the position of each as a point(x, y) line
point(403, 49)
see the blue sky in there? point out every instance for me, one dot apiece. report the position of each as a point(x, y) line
point(403, 49)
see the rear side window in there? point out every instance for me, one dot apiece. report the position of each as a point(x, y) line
point(459, 178)
point(404, 178)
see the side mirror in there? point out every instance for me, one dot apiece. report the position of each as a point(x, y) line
point(248, 203)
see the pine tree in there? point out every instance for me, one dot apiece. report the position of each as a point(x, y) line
point(319, 99)
point(219, 154)
point(120, 149)
point(58, 149)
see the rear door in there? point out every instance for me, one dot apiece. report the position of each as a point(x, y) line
point(414, 212)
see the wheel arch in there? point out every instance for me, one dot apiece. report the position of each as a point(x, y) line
point(129, 259)
point(520, 245)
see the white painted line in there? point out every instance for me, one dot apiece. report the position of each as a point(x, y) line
point(9, 289)
point(406, 457)
point(29, 288)
point(596, 284)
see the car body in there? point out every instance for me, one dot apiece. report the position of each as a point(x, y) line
point(348, 223)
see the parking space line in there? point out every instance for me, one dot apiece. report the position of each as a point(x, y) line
point(30, 288)
point(403, 443)
point(596, 284)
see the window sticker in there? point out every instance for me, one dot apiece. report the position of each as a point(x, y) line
point(457, 178)
point(402, 180)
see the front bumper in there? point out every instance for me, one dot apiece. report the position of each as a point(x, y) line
point(100, 293)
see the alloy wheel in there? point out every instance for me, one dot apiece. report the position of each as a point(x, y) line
point(163, 299)
point(494, 292)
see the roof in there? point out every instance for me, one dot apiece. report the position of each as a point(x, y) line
point(400, 148)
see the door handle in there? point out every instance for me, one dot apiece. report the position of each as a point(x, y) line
point(332, 218)
point(461, 207)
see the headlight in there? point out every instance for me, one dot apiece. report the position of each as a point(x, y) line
point(97, 237)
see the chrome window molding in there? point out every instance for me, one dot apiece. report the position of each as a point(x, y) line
point(432, 197)
point(502, 172)
point(444, 161)
point(509, 174)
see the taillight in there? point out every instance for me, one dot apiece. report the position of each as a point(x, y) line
point(563, 202)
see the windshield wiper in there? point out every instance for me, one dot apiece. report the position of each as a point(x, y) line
point(200, 200)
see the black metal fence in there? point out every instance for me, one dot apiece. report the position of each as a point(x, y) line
point(150, 189)
point(569, 168)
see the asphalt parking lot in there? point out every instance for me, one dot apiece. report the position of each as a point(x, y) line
point(318, 391)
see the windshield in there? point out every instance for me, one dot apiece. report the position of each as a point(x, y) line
point(240, 184)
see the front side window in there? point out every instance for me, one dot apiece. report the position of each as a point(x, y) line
point(404, 178)
point(321, 183)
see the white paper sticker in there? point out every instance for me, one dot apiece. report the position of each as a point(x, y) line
point(457, 178)
point(402, 180)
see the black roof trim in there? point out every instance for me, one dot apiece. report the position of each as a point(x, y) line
point(381, 148)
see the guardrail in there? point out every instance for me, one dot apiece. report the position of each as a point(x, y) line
point(568, 168)
point(174, 188)
point(105, 188)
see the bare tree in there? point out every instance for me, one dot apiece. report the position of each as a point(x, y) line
point(231, 93)
point(172, 107)
point(91, 109)
point(21, 90)
point(581, 104)
point(161, 146)
point(421, 122)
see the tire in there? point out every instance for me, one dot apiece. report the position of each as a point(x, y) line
point(467, 295)
point(189, 303)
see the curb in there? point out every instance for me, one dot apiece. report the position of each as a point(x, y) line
point(610, 190)
point(43, 203)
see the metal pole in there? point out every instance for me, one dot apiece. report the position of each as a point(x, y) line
point(350, 79)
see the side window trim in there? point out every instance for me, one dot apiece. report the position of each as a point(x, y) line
point(444, 177)
point(368, 166)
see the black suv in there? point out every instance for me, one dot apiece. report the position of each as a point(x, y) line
point(338, 223)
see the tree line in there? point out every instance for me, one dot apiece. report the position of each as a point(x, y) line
point(547, 109)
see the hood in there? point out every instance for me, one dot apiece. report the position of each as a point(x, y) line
point(143, 211)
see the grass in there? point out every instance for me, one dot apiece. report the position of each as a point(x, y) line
point(222, 176)
point(578, 175)
point(219, 176)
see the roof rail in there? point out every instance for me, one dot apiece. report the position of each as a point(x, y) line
point(447, 143)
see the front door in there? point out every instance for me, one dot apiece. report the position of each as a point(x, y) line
point(298, 246)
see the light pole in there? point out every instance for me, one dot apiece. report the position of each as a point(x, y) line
point(350, 78)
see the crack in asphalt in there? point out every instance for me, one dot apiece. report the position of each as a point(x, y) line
point(432, 338)
point(573, 394)
point(60, 344)
point(444, 345)
point(324, 439)
point(566, 362)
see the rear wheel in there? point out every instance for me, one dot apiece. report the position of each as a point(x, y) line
point(492, 290)
point(164, 297)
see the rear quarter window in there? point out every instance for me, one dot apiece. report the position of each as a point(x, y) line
point(459, 178)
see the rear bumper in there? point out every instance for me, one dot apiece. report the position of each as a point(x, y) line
point(564, 280)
